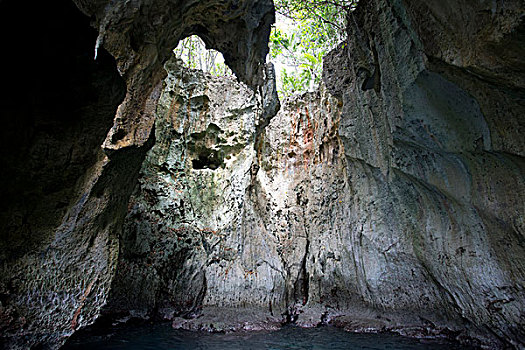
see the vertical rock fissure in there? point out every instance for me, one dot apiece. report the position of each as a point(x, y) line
point(304, 271)
point(377, 67)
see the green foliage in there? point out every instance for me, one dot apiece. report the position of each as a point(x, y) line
point(194, 54)
point(330, 12)
point(298, 43)
point(306, 30)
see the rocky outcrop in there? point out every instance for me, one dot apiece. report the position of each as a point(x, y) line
point(141, 35)
point(64, 197)
point(58, 107)
point(389, 201)
point(392, 199)
point(430, 129)
point(219, 224)
point(190, 194)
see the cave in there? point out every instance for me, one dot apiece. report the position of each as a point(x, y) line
point(134, 189)
point(204, 148)
point(207, 160)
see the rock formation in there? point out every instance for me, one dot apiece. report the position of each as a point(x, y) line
point(387, 201)
point(431, 115)
point(64, 197)
point(58, 105)
point(390, 199)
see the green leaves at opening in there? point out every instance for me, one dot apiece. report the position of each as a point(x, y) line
point(305, 31)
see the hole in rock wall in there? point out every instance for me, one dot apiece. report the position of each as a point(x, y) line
point(204, 149)
point(208, 159)
point(193, 52)
point(369, 82)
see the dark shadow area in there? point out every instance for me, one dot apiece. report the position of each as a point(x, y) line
point(163, 336)
point(204, 149)
point(207, 160)
point(56, 107)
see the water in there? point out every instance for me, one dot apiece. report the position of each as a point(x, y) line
point(160, 337)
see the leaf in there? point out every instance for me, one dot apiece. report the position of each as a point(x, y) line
point(318, 26)
point(311, 58)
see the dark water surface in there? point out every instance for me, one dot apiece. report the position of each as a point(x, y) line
point(290, 338)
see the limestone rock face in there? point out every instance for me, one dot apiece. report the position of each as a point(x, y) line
point(141, 35)
point(190, 197)
point(480, 47)
point(392, 199)
point(217, 223)
point(432, 132)
point(237, 209)
point(64, 197)
point(57, 108)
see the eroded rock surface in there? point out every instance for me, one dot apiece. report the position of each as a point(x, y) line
point(219, 224)
point(191, 194)
point(437, 206)
point(64, 197)
point(57, 109)
point(391, 200)
point(141, 35)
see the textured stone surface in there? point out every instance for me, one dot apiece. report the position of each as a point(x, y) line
point(394, 205)
point(64, 197)
point(391, 200)
point(437, 181)
point(58, 107)
point(217, 223)
point(182, 234)
point(190, 187)
point(480, 47)
point(141, 35)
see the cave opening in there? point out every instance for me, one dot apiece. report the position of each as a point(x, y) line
point(388, 198)
point(207, 160)
point(195, 55)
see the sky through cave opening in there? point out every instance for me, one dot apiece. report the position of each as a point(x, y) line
point(303, 33)
point(193, 52)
